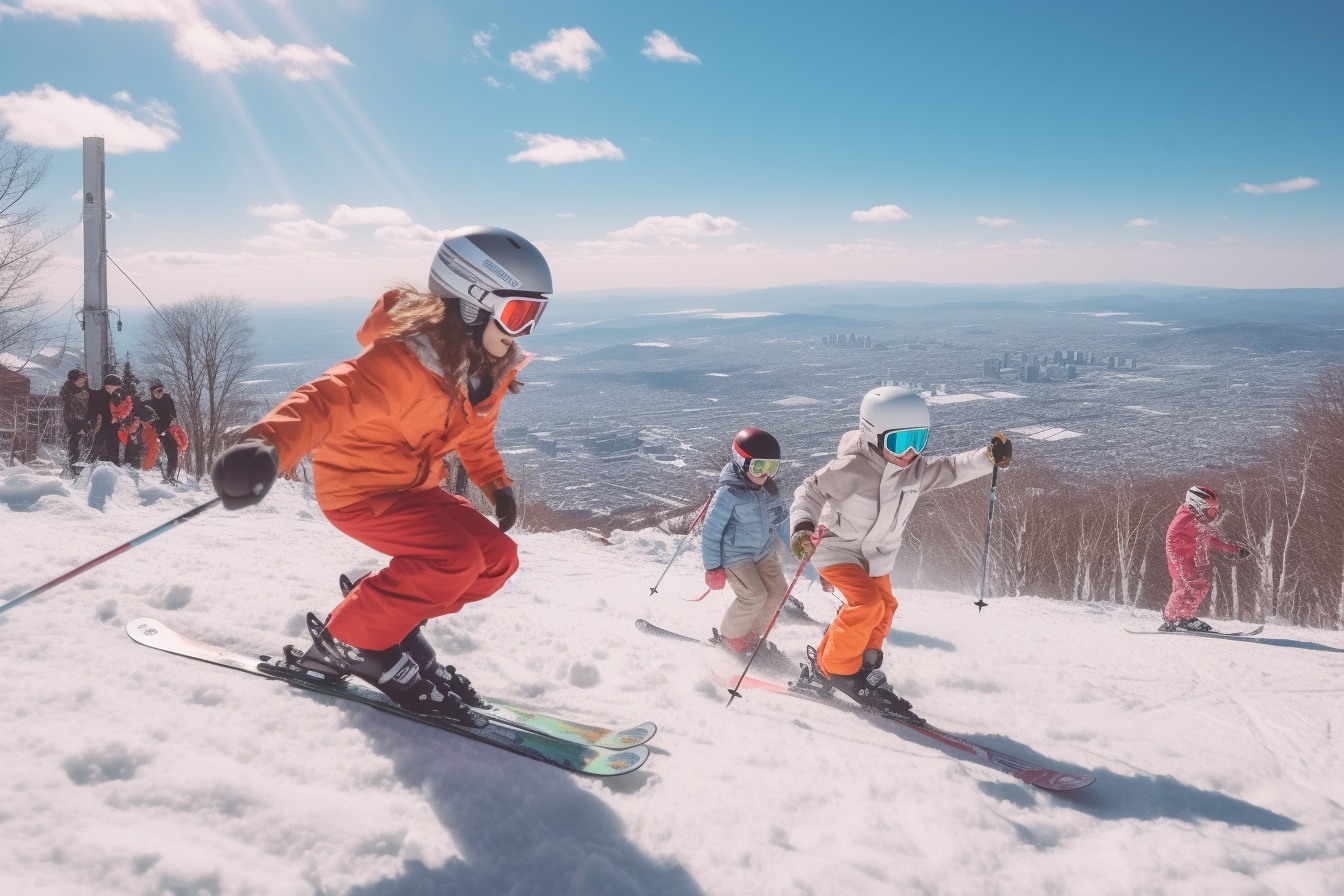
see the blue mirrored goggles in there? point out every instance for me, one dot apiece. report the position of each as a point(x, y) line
point(899, 441)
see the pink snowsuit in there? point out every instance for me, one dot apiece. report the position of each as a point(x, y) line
point(1188, 541)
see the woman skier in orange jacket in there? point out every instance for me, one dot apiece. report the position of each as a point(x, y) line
point(434, 369)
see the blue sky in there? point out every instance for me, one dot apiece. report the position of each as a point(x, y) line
point(303, 149)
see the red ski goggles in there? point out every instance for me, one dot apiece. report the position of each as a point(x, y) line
point(516, 312)
point(899, 441)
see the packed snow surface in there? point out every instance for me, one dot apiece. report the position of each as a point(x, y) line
point(130, 771)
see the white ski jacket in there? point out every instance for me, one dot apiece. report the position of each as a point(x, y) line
point(863, 501)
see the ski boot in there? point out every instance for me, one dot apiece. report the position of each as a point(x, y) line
point(1168, 625)
point(446, 677)
point(867, 687)
point(392, 671)
point(1194, 625)
point(768, 656)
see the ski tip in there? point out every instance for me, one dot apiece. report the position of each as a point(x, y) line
point(143, 628)
point(1053, 780)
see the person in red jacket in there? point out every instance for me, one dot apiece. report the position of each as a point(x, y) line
point(435, 368)
point(1189, 539)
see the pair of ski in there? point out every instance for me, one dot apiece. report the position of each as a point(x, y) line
point(1022, 769)
point(1249, 633)
point(564, 743)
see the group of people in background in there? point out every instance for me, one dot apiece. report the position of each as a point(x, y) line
point(121, 426)
point(435, 367)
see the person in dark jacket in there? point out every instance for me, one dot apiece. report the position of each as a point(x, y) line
point(103, 419)
point(139, 435)
point(75, 409)
point(166, 409)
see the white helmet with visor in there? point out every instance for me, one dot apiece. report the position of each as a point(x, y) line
point(494, 273)
point(894, 418)
point(1203, 501)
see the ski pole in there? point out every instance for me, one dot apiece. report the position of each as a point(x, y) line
point(681, 544)
point(120, 549)
point(984, 566)
point(733, 692)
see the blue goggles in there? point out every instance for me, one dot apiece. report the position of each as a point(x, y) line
point(899, 441)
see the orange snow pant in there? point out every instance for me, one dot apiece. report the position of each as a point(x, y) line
point(444, 554)
point(861, 624)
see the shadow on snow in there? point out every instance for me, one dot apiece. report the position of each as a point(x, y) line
point(520, 826)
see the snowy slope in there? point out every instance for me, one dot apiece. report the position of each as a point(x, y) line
point(129, 771)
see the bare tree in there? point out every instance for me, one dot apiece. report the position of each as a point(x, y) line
point(203, 349)
point(23, 244)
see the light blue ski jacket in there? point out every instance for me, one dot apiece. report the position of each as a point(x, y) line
point(741, 522)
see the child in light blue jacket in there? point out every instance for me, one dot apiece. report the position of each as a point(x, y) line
point(739, 539)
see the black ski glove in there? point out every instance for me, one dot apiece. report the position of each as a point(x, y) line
point(506, 508)
point(1000, 450)
point(243, 474)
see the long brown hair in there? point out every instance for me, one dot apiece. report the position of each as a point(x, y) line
point(440, 319)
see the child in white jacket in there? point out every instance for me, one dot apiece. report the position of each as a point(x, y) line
point(848, 517)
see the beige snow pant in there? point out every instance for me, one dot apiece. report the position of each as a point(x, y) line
point(759, 587)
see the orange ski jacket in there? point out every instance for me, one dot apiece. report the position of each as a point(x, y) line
point(380, 425)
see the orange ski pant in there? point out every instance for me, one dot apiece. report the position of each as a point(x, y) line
point(444, 554)
point(861, 624)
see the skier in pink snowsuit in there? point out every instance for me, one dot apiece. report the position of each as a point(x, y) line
point(1189, 538)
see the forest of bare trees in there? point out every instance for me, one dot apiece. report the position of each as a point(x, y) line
point(203, 349)
point(1101, 537)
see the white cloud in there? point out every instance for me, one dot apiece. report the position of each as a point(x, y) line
point(268, 241)
point(696, 225)
point(496, 83)
point(123, 96)
point(863, 247)
point(307, 229)
point(191, 258)
point(662, 47)
point(881, 213)
point(1284, 186)
point(1230, 238)
point(751, 249)
point(213, 50)
point(480, 41)
point(548, 149)
point(55, 119)
point(995, 222)
point(605, 246)
point(345, 216)
point(1156, 244)
point(279, 210)
point(195, 39)
point(1139, 222)
point(564, 50)
point(413, 233)
point(672, 242)
point(1036, 242)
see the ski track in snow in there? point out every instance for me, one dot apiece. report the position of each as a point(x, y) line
point(133, 772)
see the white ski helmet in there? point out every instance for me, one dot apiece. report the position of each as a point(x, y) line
point(1203, 501)
point(484, 267)
point(891, 407)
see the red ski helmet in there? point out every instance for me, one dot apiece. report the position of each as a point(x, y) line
point(757, 451)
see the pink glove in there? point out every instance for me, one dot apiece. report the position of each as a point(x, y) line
point(716, 578)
